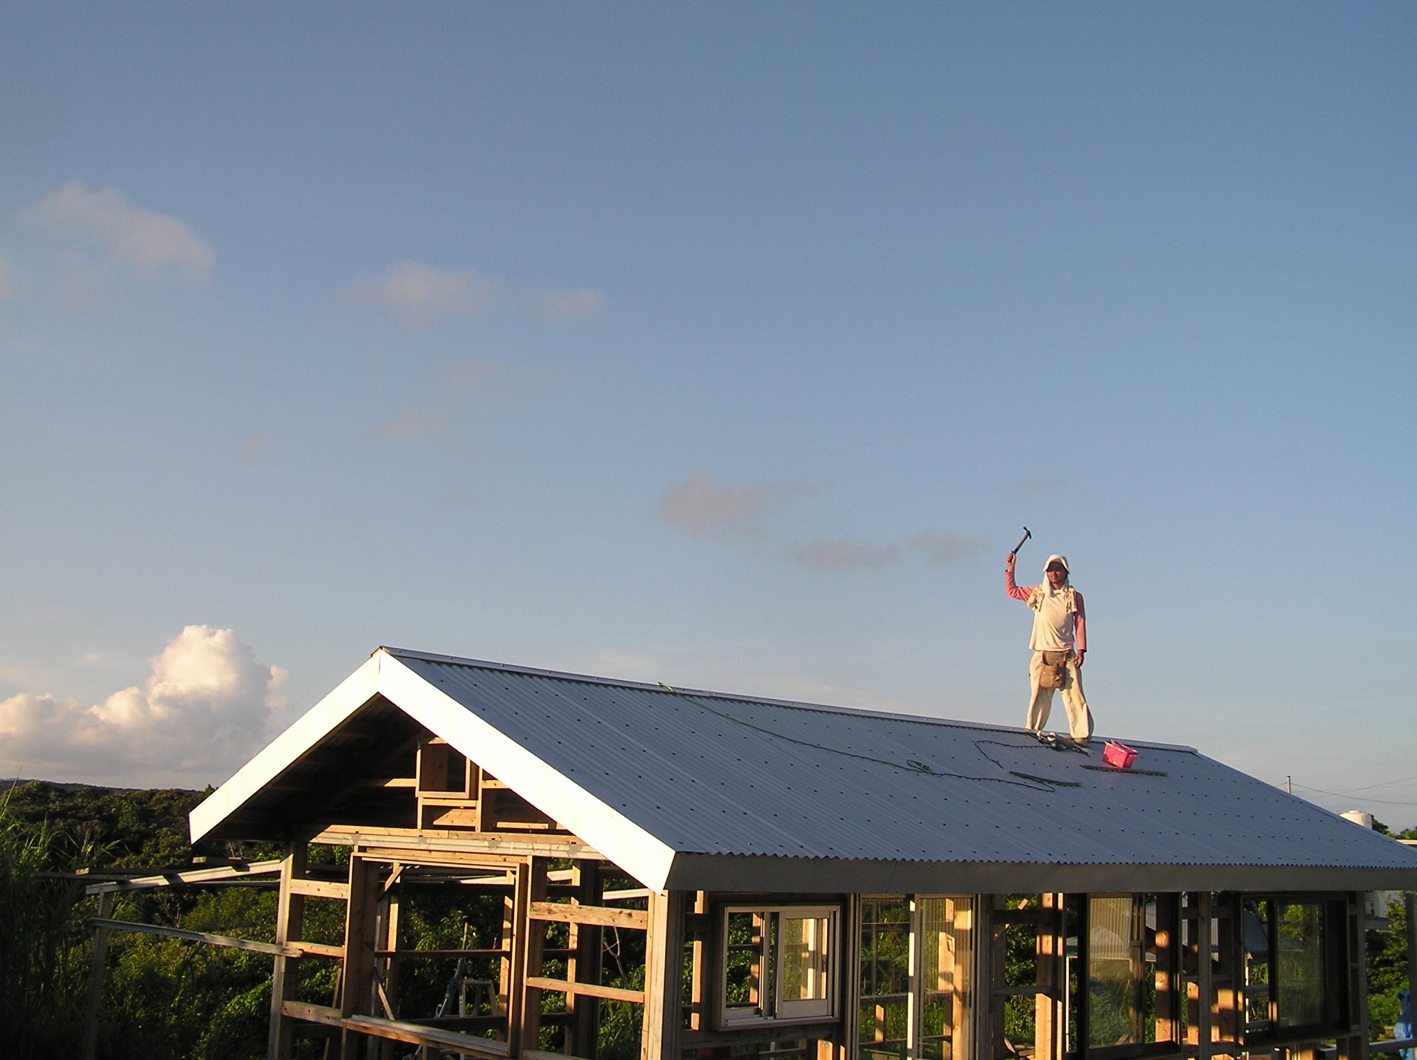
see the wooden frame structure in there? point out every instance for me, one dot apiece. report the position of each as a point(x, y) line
point(433, 787)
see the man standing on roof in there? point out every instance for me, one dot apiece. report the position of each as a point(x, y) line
point(1059, 643)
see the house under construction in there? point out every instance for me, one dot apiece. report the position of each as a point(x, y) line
point(732, 876)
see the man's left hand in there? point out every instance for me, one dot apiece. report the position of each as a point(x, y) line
point(1077, 656)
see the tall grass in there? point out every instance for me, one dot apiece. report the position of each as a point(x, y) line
point(43, 944)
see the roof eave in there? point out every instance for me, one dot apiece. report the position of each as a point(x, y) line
point(719, 872)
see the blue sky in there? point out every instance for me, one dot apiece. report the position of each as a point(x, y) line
point(729, 345)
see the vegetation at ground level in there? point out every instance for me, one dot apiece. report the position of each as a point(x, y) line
point(167, 999)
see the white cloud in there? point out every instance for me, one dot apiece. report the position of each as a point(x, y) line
point(435, 417)
point(205, 709)
point(126, 235)
point(702, 505)
point(420, 293)
point(569, 305)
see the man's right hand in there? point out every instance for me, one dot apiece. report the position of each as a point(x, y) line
point(1009, 561)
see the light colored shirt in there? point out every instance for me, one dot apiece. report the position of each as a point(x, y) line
point(1056, 625)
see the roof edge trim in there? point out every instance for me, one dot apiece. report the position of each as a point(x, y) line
point(306, 731)
point(643, 855)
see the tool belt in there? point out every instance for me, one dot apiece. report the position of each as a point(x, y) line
point(1052, 669)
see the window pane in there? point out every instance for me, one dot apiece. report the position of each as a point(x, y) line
point(1115, 969)
point(945, 939)
point(806, 969)
point(883, 1016)
point(747, 948)
point(1300, 971)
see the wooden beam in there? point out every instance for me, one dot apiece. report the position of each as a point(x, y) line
point(446, 841)
point(418, 1034)
point(337, 889)
point(324, 1015)
point(171, 879)
point(541, 1054)
point(610, 993)
point(224, 941)
point(599, 916)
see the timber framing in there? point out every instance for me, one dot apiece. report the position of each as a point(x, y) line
point(646, 873)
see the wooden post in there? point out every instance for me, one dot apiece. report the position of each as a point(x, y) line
point(584, 966)
point(387, 938)
point(1169, 997)
point(1355, 1046)
point(96, 971)
point(1205, 985)
point(528, 941)
point(1049, 1031)
point(1410, 904)
point(290, 916)
point(699, 1016)
point(664, 974)
point(358, 978)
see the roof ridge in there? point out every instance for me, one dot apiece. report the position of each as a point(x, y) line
point(790, 704)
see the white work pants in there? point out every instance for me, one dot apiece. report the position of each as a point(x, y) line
point(1079, 717)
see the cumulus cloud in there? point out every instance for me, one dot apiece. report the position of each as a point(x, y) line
point(421, 294)
point(122, 234)
point(207, 706)
point(704, 506)
point(570, 305)
point(436, 416)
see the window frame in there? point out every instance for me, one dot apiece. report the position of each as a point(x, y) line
point(1336, 1001)
point(916, 995)
point(1164, 965)
point(773, 1011)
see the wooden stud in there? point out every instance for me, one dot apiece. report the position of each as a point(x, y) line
point(357, 979)
point(290, 921)
point(664, 970)
point(523, 1002)
point(584, 966)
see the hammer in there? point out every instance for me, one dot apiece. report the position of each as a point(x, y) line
point(1025, 537)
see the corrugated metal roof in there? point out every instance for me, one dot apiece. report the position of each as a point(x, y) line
point(743, 792)
point(713, 774)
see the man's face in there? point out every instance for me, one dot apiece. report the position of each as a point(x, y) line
point(1056, 576)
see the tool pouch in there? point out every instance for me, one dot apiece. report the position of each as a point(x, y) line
point(1053, 669)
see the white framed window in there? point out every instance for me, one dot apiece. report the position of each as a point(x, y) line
point(778, 964)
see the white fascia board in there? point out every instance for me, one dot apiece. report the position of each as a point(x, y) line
point(625, 843)
point(307, 730)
